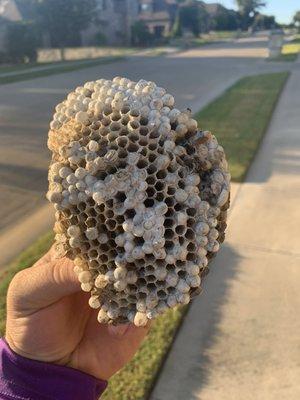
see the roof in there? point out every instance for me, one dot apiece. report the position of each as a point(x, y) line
point(155, 16)
point(212, 8)
point(27, 9)
point(17, 10)
point(9, 10)
point(168, 2)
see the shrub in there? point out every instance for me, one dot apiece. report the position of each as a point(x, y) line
point(4, 59)
point(141, 35)
point(21, 42)
point(100, 39)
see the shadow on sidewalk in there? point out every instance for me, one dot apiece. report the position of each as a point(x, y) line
point(188, 365)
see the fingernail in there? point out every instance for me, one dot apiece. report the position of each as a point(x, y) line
point(118, 330)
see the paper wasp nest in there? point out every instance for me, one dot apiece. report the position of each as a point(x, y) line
point(140, 196)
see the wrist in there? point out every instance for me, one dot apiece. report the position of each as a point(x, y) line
point(8, 339)
point(27, 378)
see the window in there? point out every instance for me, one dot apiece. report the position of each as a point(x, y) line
point(159, 5)
point(102, 5)
point(145, 7)
point(120, 6)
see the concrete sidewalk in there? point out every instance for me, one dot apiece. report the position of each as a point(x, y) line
point(240, 339)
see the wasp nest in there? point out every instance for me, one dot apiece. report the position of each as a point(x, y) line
point(140, 196)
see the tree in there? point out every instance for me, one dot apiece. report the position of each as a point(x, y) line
point(176, 29)
point(297, 19)
point(140, 34)
point(64, 20)
point(262, 22)
point(248, 10)
point(224, 20)
point(21, 42)
point(191, 17)
point(203, 17)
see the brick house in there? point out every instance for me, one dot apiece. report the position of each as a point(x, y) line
point(9, 12)
point(158, 15)
point(113, 22)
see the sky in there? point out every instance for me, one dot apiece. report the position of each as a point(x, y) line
point(283, 10)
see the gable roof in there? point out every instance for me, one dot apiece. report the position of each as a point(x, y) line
point(26, 8)
point(9, 10)
point(155, 16)
point(213, 8)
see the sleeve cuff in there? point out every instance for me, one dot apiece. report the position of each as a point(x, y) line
point(22, 378)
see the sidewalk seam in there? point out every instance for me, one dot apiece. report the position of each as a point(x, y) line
point(265, 249)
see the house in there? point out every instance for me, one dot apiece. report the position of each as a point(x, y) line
point(12, 11)
point(9, 12)
point(112, 24)
point(158, 15)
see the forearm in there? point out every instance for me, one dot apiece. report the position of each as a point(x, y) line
point(22, 378)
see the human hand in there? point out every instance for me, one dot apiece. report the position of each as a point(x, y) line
point(49, 319)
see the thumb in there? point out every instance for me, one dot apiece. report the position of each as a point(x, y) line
point(43, 284)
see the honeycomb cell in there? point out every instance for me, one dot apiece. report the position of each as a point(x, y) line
point(141, 197)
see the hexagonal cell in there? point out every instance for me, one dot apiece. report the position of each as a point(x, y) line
point(140, 195)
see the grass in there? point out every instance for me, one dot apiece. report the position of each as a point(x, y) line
point(217, 36)
point(221, 35)
point(290, 51)
point(19, 67)
point(54, 68)
point(135, 381)
point(25, 260)
point(48, 57)
point(239, 118)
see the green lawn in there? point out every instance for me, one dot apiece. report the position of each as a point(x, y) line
point(25, 260)
point(19, 67)
point(221, 35)
point(290, 50)
point(239, 118)
point(51, 68)
point(217, 36)
point(135, 381)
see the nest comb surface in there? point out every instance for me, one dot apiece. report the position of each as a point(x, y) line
point(140, 195)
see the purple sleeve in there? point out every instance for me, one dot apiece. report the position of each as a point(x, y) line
point(24, 379)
